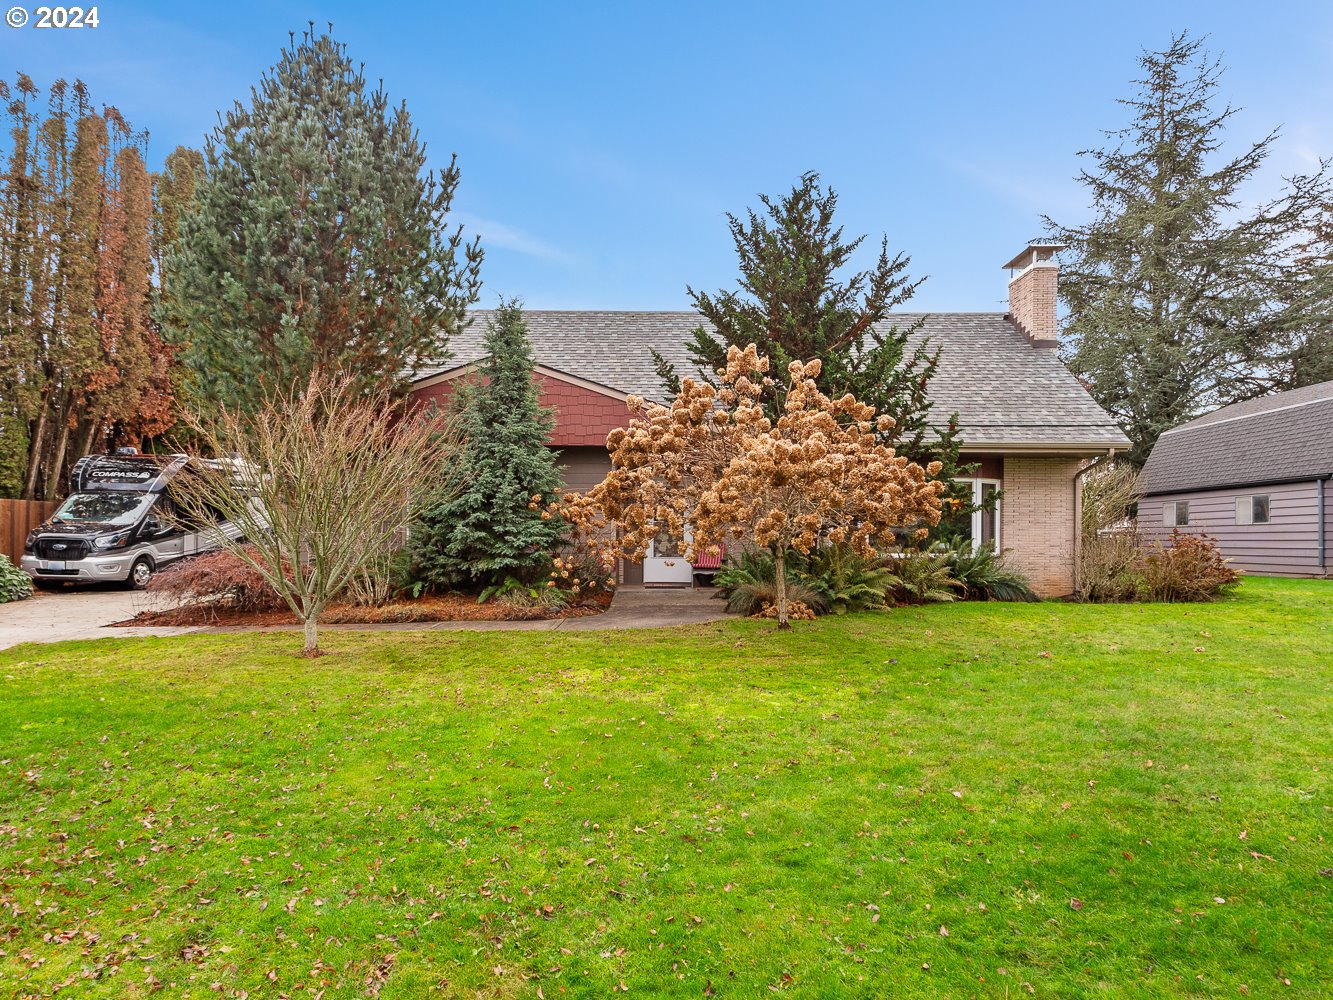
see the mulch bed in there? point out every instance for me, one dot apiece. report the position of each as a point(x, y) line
point(445, 608)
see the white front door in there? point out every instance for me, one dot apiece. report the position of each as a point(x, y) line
point(665, 562)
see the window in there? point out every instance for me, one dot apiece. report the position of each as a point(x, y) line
point(981, 526)
point(1252, 509)
point(117, 509)
point(1175, 513)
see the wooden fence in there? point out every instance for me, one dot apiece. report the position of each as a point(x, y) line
point(17, 518)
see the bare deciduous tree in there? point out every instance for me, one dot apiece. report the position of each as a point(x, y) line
point(320, 481)
point(715, 461)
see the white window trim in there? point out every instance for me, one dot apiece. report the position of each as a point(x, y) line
point(1171, 514)
point(977, 484)
point(1245, 508)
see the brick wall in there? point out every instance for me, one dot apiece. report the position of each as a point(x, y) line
point(1032, 302)
point(1037, 517)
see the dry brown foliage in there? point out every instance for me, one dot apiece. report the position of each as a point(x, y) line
point(715, 461)
point(1187, 567)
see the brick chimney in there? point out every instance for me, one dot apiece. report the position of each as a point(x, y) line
point(1032, 293)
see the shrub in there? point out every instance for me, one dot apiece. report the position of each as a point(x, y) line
point(1107, 566)
point(1188, 567)
point(924, 576)
point(748, 566)
point(1110, 496)
point(220, 578)
point(372, 584)
point(983, 576)
point(15, 585)
point(526, 602)
point(584, 573)
point(849, 581)
point(1108, 569)
point(750, 599)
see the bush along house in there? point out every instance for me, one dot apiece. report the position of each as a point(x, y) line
point(1257, 476)
point(1026, 422)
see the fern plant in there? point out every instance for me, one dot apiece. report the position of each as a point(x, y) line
point(849, 581)
point(983, 576)
point(925, 576)
point(750, 598)
point(508, 585)
point(748, 566)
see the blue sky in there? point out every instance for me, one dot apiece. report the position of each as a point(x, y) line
point(601, 144)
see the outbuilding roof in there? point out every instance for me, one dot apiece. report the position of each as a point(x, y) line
point(1280, 438)
point(1007, 393)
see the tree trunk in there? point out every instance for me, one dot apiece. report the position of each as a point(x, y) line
point(311, 636)
point(58, 458)
point(85, 446)
point(780, 585)
point(35, 451)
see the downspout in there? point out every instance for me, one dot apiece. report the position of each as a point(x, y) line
point(1321, 487)
point(1078, 507)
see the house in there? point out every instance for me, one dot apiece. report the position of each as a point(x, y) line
point(1255, 476)
point(1027, 423)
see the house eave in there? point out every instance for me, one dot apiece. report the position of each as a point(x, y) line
point(1057, 448)
point(448, 375)
point(1321, 477)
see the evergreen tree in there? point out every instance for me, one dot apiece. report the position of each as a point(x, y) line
point(495, 527)
point(317, 239)
point(1180, 299)
point(796, 301)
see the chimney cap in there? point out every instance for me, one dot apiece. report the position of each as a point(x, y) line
point(1034, 252)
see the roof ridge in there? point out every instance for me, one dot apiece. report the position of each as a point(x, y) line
point(1199, 423)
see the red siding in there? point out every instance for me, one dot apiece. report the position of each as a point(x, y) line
point(582, 416)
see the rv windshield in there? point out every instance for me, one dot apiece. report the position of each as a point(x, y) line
point(119, 509)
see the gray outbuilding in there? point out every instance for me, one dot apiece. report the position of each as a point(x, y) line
point(1256, 476)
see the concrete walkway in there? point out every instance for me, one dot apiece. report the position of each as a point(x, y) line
point(58, 616)
point(633, 607)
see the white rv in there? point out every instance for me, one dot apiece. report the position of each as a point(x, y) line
point(118, 524)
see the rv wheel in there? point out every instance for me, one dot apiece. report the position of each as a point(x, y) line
point(140, 573)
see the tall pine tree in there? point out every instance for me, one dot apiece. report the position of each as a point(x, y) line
point(495, 527)
point(797, 299)
point(1180, 298)
point(317, 240)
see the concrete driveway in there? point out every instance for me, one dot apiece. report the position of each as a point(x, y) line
point(74, 614)
point(84, 613)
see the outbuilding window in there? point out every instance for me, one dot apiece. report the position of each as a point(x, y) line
point(1252, 509)
point(1175, 513)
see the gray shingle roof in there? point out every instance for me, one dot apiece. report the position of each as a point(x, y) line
point(1283, 437)
point(1006, 392)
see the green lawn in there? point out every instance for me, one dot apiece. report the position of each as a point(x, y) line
point(968, 800)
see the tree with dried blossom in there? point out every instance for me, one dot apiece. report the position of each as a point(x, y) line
point(715, 461)
point(318, 481)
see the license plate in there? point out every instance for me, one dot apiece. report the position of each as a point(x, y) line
point(53, 565)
